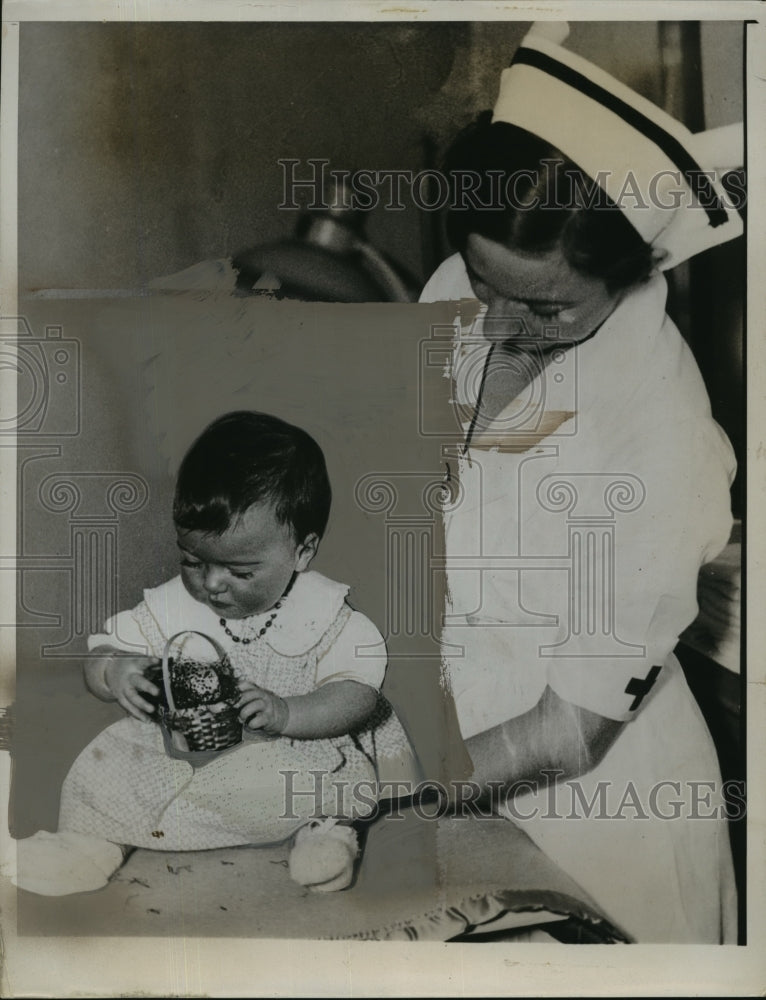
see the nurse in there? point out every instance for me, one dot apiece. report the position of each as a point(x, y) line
point(592, 484)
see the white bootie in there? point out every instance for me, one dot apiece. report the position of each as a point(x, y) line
point(59, 864)
point(323, 855)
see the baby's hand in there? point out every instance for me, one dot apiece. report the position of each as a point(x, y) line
point(262, 709)
point(124, 676)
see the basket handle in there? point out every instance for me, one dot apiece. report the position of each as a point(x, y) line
point(165, 654)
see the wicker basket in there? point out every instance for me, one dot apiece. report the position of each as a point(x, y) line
point(197, 708)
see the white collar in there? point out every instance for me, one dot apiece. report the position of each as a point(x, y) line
point(310, 608)
point(625, 343)
point(612, 363)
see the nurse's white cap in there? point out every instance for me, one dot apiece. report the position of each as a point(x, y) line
point(663, 177)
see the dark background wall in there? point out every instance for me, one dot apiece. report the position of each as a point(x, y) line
point(145, 148)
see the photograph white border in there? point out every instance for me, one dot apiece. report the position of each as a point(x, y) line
point(225, 967)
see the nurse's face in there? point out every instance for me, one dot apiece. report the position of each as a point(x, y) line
point(535, 297)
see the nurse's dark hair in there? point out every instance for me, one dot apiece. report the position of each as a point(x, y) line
point(244, 458)
point(516, 189)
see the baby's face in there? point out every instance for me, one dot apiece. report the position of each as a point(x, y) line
point(245, 570)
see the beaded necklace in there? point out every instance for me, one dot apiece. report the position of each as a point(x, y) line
point(246, 640)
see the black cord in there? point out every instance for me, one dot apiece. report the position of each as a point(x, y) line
point(477, 407)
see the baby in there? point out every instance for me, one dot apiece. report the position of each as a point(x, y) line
point(251, 504)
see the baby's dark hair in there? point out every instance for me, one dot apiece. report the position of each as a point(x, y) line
point(244, 458)
point(548, 203)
